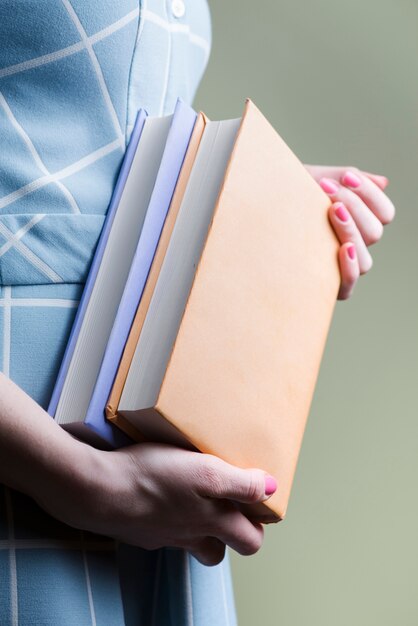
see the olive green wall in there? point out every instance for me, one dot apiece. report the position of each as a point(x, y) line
point(339, 81)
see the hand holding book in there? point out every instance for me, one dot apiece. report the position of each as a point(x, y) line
point(358, 213)
point(155, 495)
point(220, 315)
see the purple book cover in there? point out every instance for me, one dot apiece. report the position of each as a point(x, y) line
point(95, 264)
point(178, 139)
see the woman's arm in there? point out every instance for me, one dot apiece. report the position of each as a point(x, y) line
point(150, 495)
point(32, 446)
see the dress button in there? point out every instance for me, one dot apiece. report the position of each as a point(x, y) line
point(178, 8)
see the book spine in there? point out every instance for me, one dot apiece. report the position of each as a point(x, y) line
point(95, 264)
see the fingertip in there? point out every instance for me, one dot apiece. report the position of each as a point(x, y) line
point(270, 485)
point(351, 251)
point(349, 269)
point(381, 181)
point(329, 185)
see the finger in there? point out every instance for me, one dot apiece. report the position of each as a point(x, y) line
point(237, 531)
point(336, 171)
point(349, 269)
point(209, 551)
point(369, 226)
point(370, 193)
point(381, 181)
point(218, 479)
point(347, 231)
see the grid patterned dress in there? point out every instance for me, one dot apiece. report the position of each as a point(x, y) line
point(72, 75)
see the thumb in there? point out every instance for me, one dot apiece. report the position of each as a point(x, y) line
point(223, 480)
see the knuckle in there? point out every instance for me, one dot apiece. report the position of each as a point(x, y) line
point(210, 477)
point(254, 489)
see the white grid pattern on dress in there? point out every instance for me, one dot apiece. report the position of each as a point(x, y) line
point(98, 71)
point(7, 302)
point(88, 582)
point(147, 15)
point(73, 168)
point(12, 544)
point(41, 165)
point(69, 50)
point(43, 267)
point(86, 43)
point(12, 239)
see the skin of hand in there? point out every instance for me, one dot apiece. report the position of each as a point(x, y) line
point(154, 495)
point(358, 213)
point(149, 495)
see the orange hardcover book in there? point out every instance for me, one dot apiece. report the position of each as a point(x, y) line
point(234, 373)
point(116, 392)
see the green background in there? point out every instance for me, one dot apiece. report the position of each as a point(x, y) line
point(339, 81)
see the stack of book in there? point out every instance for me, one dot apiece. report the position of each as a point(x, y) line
point(208, 301)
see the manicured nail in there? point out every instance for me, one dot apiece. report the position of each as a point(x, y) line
point(271, 485)
point(351, 180)
point(328, 185)
point(351, 252)
point(341, 212)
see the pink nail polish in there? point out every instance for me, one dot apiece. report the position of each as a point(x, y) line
point(351, 252)
point(341, 212)
point(328, 185)
point(271, 485)
point(351, 180)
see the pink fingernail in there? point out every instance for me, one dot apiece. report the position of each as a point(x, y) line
point(341, 212)
point(271, 485)
point(351, 252)
point(328, 185)
point(351, 180)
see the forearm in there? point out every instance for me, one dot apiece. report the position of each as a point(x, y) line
point(34, 450)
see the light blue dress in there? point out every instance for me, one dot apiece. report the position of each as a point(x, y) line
point(72, 75)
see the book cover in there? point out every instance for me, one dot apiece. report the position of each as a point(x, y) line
point(242, 371)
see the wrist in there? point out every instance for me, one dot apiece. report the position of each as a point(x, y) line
point(64, 480)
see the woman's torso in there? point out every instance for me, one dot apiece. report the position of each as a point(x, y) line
point(72, 75)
